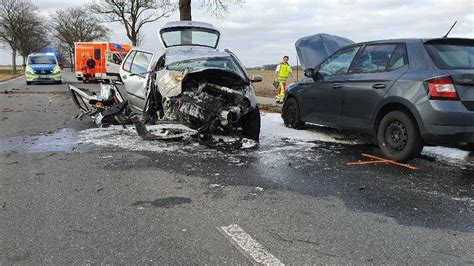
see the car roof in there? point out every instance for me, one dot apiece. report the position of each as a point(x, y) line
point(414, 40)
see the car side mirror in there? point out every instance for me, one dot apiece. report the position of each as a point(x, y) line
point(309, 72)
point(256, 78)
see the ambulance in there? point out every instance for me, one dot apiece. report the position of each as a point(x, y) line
point(108, 57)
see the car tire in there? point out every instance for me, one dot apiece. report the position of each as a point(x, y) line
point(29, 83)
point(59, 82)
point(398, 137)
point(291, 114)
point(251, 125)
point(470, 146)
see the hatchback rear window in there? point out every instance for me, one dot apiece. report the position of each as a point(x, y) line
point(452, 56)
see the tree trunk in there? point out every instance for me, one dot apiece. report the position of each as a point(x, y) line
point(185, 9)
point(71, 62)
point(14, 61)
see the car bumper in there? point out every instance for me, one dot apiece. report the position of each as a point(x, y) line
point(43, 78)
point(447, 122)
point(449, 134)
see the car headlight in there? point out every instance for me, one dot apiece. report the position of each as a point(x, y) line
point(29, 70)
point(56, 70)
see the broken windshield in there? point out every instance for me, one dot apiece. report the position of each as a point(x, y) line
point(226, 63)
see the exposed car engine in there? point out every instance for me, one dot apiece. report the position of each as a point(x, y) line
point(210, 101)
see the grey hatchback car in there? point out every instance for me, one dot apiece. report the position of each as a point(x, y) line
point(406, 92)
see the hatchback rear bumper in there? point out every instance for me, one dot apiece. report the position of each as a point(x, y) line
point(446, 122)
point(449, 134)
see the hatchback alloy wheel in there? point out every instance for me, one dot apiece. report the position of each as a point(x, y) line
point(398, 136)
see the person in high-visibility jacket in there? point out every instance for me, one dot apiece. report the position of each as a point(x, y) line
point(282, 74)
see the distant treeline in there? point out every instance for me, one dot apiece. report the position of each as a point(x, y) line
point(267, 67)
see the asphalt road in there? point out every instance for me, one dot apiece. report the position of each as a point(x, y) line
point(67, 199)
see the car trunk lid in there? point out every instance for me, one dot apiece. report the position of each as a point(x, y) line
point(464, 82)
point(189, 33)
point(456, 57)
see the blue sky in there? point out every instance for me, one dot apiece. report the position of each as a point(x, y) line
point(262, 31)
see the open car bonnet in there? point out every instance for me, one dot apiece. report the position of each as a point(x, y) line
point(189, 33)
point(312, 50)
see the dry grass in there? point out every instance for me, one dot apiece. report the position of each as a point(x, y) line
point(265, 88)
point(6, 72)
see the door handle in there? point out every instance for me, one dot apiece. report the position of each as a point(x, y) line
point(337, 86)
point(379, 86)
point(124, 77)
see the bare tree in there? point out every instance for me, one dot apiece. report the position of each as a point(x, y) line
point(15, 16)
point(32, 38)
point(133, 14)
point(185, 10)
point(217, 8)
point(76, 25)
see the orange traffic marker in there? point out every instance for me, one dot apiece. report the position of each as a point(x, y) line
point(382, 160)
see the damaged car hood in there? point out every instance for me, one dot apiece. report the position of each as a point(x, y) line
point(314, 49)
point(171, 82)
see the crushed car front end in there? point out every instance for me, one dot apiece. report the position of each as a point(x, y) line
point(210, 94)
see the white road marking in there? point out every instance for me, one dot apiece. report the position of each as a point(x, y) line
point(248, 246)
point(10, 80)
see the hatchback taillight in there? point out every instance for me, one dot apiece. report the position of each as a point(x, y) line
point(442, 88)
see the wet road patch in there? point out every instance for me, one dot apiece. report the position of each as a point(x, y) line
point(163, 202)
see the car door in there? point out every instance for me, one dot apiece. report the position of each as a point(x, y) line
point(373, 72)
point(321, 98)
point(135, 73)
point(114, 60)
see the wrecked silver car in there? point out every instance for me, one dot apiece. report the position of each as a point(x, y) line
point(193, 84)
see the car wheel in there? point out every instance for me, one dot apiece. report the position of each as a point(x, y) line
point(291, 114)
point(28, 83)
point(251, 125)
point(59, 82)
point(398, 137)
point(470, 146)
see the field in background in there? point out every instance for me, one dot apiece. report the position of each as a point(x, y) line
point(6, 72)
point(265, 88)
